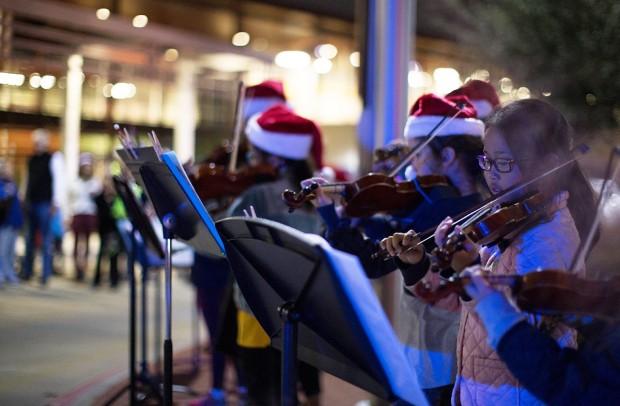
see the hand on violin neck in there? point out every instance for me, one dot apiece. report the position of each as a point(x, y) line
point(441, 233)
point(313, 185)
point(477, 287)
point(404, 245)
point(455, 249)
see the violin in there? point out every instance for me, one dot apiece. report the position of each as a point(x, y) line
point(379, 193)
point(493, 228)
point(489, 228)
point(371, 194)
point(213, 181)
point(547, 292)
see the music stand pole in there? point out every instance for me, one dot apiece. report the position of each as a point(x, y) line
point(132, 326)
point(184, 217)
point(168, 225)
point(289, 316)
point(132, 322)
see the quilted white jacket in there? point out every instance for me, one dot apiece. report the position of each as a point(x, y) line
point(482, 378)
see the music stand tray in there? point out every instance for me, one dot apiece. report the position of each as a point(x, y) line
point(135, 162)
point(138, 217)
point(342, 328)
point(178, 206)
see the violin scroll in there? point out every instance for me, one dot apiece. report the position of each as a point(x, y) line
point(296, 200)
point(426, 292)
point(375, 193)
point(441, 258)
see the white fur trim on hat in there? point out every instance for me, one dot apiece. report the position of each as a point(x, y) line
point(483, 107)
point(259, 104)
point(285, 145)
point(421, 126)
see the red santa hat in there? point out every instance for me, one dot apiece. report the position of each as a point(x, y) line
point(281, 132)
point(260, 97)
point(430, 109)
point(481, 94)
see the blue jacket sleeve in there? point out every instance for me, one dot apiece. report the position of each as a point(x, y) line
point(562, 376)
point(352, 241)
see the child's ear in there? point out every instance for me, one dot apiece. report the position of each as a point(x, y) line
point(275, 161)
point(448, 156)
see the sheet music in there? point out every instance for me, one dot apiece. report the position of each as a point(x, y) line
point(379, 330)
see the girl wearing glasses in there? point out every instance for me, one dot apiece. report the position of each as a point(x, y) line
point(523, 140)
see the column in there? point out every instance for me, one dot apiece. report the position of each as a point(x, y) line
point(389, 41)
point(72, 117)
point(184, 138)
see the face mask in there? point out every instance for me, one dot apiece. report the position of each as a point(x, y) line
point(410, 173)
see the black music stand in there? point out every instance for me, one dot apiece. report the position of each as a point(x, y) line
point(316, 302)
point(183, 217)
point(135, 158)
point(140, 224)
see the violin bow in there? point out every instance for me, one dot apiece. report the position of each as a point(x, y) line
point(429, 137)
point(604, 195)
point(232, 164)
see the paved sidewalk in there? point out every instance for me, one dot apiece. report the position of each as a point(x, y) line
point(67, 344)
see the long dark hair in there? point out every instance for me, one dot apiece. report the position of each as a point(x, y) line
point(535, 131)
point(296, 170)
point(467, 148)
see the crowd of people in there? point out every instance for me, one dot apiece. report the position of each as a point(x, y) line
point(51, 205)
point(473, 346)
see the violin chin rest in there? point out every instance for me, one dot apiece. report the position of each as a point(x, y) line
point(447, 273)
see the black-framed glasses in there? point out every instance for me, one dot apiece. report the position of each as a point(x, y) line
point(503, 165)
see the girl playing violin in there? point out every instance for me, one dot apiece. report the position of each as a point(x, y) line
point(448, 154)
point(589, 375)
point(523, 140)
point(280, 138)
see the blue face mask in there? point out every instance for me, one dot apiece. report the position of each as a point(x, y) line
point(410, 173)
point(248, 157)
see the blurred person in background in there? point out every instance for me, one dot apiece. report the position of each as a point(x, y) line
point(44, 196)
point(110, 243)
point(291, 144)
point(83, 209)
point(11, 221)
point(481, 94)
point(213, 278)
